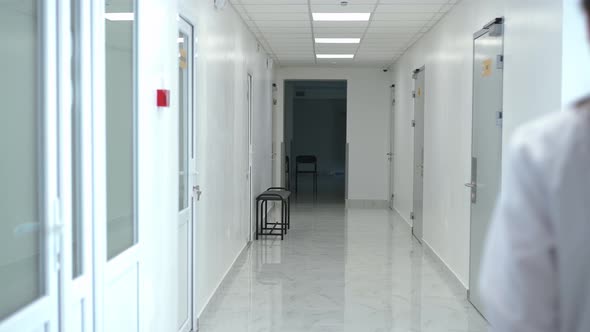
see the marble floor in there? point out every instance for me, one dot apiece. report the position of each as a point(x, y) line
point(340, 270)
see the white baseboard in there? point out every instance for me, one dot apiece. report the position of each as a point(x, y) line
point(403, 218)
point(222, 280)
point(451, 274)
point(366, 204)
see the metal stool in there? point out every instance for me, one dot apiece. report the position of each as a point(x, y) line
point(265, 228)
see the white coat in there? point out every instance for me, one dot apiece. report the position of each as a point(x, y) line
point(536, 265)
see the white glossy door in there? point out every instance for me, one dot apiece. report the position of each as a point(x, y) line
point(76, 178)
point(120, 287)
point(185, 185)
point(249, 195)
point(391, 154)
point(486, 143)
point(419, 93)
point(30, 217)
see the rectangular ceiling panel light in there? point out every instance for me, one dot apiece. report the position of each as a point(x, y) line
point(341, 16)
point(337, 40)
point(119, 16)
point(335, 56)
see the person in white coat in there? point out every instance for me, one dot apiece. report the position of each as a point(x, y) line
point(536, 265)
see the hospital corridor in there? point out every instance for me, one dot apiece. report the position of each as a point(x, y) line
point(294, 165)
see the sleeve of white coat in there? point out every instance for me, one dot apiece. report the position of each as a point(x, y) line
point(519, 280)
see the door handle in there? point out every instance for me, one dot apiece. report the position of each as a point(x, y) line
point(471, 185)
point(198, 192)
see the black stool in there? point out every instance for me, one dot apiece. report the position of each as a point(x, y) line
point(265, 228)
point(313, 160)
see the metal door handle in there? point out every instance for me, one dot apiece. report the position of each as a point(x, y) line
point(471, 185)
point(390, 154)
point(198, 192)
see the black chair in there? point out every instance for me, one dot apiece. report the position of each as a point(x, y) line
point(307, 160)
point(288, 173)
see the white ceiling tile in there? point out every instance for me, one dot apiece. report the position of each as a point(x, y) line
point(413, 2)
point(377, 24)
point(284, 28)
point(284, 24)
point(446, 8)
point(279, 17)
point(408, 8)
point(270, 2)
point(276, 9)
point(403, 16)
point(351, 2)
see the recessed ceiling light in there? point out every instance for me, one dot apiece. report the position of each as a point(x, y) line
point(335, 56)
point(119, 16)
point(337, 40)
point(341, 16)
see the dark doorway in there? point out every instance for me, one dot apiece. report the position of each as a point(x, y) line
point(315, 126)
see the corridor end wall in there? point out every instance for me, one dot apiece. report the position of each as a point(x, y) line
point(367, 126)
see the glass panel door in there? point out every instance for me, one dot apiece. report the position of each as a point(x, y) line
point(120, 135)
point(29, 219)
point(185, 155)
point(21, 200)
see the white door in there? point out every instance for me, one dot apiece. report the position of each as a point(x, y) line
point(186, 164)
point(419, 81)
point(30, 219)
point(486, 142)
point(391, 154)
point(76, 178)
point(249, 196)
point(120, 287)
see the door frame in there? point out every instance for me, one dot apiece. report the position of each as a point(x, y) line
point(250, 110)
point(391, 154)
point(417, 93)
point(108, 271)
point(186, 24)
point(487, 29)
point(75, 96)
point(44, 310)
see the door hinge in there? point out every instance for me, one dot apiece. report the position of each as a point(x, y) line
point(413, 123)
point(500, 61)
point(412, 216)
point(500, 119)
point(414, 94)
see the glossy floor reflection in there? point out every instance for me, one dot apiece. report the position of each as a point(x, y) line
point(339, 270)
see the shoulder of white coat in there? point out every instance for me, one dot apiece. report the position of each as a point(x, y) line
point(546, 139)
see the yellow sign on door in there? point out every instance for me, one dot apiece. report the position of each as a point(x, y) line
point(487, 68)
point(183, 59)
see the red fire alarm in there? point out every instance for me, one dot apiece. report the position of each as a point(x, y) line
point(163, 98)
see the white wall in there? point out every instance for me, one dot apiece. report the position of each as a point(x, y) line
point(576, 56)
point(532, 87)
point(227, 51)
point(367, 124)
point(157, 166)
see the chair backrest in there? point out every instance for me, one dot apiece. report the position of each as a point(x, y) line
point(287, 168)
point(306, 159)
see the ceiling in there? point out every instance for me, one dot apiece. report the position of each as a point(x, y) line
point(287, 32)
